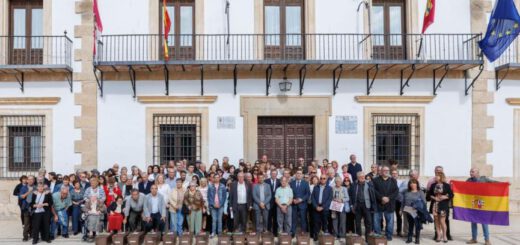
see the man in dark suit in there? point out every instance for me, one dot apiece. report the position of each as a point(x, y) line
point(145, 185)
point(301, 193)
point(274, 183)
point(241, 202)
point(321, 199)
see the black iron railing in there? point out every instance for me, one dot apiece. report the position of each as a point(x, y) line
point(36, 50)
point(243, 48)
point(510, 56)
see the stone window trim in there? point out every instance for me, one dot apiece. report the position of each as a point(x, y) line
point(368, 130)
point(204, 128)
point(516, 147)
point(48, 124)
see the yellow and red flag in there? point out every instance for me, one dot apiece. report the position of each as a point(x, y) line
point(98, 25)
point(167, 25)
point(483, 203)
point(429, 14)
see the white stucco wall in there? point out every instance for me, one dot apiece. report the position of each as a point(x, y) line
point(63, 132)
point(446, 142)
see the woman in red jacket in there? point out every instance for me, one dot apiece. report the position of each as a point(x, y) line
point(112, 190)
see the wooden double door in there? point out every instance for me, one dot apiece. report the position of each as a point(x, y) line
point(285, 139)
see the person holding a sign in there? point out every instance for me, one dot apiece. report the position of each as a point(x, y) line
point(475, 177)
point(339, 207)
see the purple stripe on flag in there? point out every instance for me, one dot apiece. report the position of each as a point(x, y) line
point(481, 216)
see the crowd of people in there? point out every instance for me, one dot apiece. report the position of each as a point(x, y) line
point(178, 196)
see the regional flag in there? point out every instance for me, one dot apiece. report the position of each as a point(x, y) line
point(98, 25)
point(167, 25)
point(502, 29)
point(429, 14)
point(483, 203)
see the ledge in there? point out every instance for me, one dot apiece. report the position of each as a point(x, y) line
point(176, 99)
point(395, 99)
point(513, 101)
point(29, 100)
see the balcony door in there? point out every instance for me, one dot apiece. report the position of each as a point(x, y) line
point(181, 39)
point(283, 29)
point(25, 32)
point(388, 29)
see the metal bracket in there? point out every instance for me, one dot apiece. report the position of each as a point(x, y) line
point(437, 85)
point(481, 68)
point(268, 76)
point(201, 80)
point(406, 84)
point(69, 76)
point(167, 80)
point(371, 83)
point(235, 80)
point(131, 72)
point(335, 78)
point(303, 75)
point(21, 80)
point(99, 80)
point(499, 81)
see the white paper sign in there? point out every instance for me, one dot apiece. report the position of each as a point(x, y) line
point(346, 124)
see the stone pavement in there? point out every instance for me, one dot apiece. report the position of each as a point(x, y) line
point(11, 231)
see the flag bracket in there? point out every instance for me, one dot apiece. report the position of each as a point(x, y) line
point(500, 80)
point(166, 80)
point(21, 80)
point(335, 78)
point(370, 83)
point(131, 72)
point(437, 85)
point(268, 76)
point(469, 86)
point(303, 75)
point(406, 84)
point(201, 80)
point(235, 80)
point(99, 80)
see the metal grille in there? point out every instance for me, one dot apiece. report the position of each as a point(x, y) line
point(396, 137)
point(176, 137)
point(22, 144)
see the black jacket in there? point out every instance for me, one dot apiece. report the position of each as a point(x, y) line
point(352, 192)
point(46, 199)
point(385, 188)
point(233, 195)
point(443, 205)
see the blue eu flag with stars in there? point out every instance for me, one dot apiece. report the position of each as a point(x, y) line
point(503, 28)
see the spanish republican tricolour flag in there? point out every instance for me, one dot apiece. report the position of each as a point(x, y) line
point(484, 203)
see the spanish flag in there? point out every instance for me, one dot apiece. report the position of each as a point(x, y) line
point(167, 25)
point(483, 203)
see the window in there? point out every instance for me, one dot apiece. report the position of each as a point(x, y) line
point(396, 138)
point(176, 137)
point(26, 32)
point(283, 29)
point(22, 143)
point(388, 27)
point(180, 40)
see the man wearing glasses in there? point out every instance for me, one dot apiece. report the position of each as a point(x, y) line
point(321, 199)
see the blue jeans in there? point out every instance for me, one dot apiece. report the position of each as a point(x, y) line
point(474, 231)
point(389, 221)
point(76, 218)
point(63, 221)
point(216, 218)
point(176, 220)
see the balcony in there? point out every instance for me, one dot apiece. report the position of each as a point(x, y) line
point(20, 55)
point(459, 51)
point(259, 54)
point(508, 64)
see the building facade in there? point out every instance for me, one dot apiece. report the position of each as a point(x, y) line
point(286, 78)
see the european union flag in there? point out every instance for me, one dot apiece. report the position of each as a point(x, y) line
point(502, 30)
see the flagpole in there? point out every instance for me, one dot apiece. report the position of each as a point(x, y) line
point(420, 46)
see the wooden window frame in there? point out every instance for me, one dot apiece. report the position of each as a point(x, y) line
point(27, 55)
point(177, 51)
point(388, 51)
point(284, 51)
